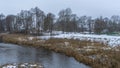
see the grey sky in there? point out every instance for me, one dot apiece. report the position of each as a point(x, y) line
point(94, 8)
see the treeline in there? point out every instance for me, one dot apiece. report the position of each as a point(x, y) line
point(35, 21)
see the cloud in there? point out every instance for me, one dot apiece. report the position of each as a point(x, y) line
point(93, 8)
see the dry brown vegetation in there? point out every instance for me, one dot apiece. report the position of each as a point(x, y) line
point(93, 54)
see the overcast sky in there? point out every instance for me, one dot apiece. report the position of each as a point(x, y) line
point(94, 8)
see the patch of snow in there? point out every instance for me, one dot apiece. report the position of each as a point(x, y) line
point(106, 48)
point(22, 39)
point(30, 38)
point(105, 39)
point(33, 65)
point(66, 43)
point(9, 66)
point(24, 65)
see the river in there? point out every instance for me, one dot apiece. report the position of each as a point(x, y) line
point(10, 53)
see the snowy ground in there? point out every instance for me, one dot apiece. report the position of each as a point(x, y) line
point(24, 65)
point(106, 39)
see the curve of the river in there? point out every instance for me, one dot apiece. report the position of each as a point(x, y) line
point(10, 53)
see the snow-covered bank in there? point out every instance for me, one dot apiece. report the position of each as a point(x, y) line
point(24, 65)
point(106, 39)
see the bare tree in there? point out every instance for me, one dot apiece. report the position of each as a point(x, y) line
point(74, 23)
point(89, 20)
point(10, 21)
point(2, 18)
point(61, 20)
point(100, 25)
point(39, 19)
point(48, 22)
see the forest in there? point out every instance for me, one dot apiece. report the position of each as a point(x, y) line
point(35, 21)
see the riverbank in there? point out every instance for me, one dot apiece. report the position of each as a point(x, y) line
point(93, 54)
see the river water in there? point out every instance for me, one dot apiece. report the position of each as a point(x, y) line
point(10, 53)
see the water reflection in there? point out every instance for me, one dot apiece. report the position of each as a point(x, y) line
point(10, 53)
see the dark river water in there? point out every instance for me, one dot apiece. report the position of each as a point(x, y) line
point(10, 53)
